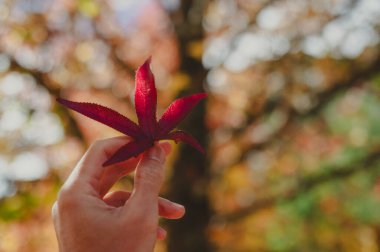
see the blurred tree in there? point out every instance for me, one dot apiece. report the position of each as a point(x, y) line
point(190, 178)
point(291, 123)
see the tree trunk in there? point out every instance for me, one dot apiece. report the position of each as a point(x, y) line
point(189, 182)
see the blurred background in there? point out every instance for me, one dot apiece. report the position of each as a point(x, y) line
point(291, 124)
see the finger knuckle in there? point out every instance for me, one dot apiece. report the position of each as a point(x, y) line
point(150, 174)
point(155, 160)
point(96, 144)
point(156, 154)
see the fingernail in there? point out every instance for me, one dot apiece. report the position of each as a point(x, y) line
point(177, 205)
point(165, 146)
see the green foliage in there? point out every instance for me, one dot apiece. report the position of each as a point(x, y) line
point(355, 116)
point(279, 238)
point(19, 206)
point(363, 209)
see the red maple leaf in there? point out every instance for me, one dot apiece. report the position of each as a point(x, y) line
point(148, 130)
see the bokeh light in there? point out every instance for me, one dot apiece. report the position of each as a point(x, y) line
point(291, 123)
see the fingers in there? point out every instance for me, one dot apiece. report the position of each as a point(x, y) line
point(117, 198)
point(114, 172)
point(149, 177)
point(161, 233)
point(90, 166)
point(166, 208)
point(169, 209)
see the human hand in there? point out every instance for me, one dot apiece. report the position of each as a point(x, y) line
point(86, 220)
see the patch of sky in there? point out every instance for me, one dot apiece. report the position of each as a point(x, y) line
point(13, 117)
point(126, 12)
point(252, 47)
point(27, 166)
point(170, 5)
point(43, 129)
point(216, 51)
point(271, 18)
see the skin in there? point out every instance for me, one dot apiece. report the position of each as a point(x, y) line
point(88, 218)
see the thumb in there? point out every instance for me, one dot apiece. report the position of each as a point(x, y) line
point(149, 176)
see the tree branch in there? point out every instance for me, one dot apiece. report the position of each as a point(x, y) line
point(271, 105)
point(308, 183)
point(44, 80)
point(357, 78)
